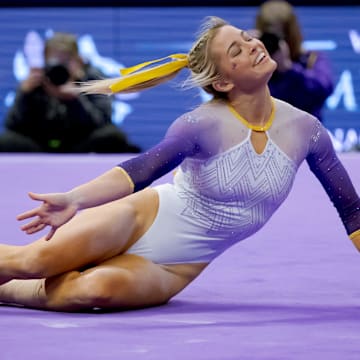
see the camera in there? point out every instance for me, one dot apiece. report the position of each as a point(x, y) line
point(271, 42)
point(57, 74)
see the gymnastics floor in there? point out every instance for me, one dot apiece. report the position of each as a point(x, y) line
point(290, 292)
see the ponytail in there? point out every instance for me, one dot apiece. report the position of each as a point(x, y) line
point(137, 78)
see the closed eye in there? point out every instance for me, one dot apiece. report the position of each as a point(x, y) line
point(235, 50)
point(235, 47)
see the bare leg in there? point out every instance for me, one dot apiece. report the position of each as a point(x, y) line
point(91, 237)
point(126, 281)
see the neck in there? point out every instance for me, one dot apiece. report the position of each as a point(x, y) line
point(255, 109)
point(256, 112)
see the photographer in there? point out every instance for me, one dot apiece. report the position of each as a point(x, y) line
point(303, 78)
point(48, 116)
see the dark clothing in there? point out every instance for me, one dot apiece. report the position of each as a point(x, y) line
point(38, 122)
point(306, 85)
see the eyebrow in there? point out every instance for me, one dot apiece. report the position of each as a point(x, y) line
point(242, 32)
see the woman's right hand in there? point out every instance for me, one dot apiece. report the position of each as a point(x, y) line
point(56, 209)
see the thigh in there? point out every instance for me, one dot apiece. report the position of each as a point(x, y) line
point(95, 234)
point(123, 282)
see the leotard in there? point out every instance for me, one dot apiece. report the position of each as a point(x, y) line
point(223, 190)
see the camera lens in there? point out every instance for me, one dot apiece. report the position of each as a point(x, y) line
point(271, 42)
point(57, 74)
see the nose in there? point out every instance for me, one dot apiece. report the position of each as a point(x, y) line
point(253, 49)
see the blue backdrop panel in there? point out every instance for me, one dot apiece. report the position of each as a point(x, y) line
point(112, 37)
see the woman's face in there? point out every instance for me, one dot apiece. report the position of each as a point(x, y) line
point(241, 59)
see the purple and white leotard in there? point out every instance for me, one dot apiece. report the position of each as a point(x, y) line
point(223, 190)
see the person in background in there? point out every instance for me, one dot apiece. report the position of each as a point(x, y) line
point(49, 116)
point(303, 78)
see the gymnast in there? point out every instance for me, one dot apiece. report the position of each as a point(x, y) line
point(116, 242)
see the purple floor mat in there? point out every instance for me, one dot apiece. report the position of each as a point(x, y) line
point(290, 292)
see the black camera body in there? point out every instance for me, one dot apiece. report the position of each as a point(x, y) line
point(57, 74)
point(271, 42)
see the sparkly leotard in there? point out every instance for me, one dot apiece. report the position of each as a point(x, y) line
point(225, 197)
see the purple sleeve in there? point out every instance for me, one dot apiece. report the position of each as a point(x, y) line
point(179, 143)
point(334, 178)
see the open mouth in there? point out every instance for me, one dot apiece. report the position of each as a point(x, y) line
point(261, 56)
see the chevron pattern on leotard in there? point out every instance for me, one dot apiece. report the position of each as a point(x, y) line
point(237, 191)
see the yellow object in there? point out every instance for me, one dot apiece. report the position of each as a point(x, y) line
point(260, 128)
point(132, 75)
point(355, 238)
point(131, 183)
point(354, 234)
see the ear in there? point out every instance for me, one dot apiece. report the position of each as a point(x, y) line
point(222, 85)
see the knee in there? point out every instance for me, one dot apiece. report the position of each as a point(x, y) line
point(77, 291)
point(104, 291)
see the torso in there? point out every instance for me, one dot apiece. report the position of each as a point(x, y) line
point(234, 193)
point(230, 189)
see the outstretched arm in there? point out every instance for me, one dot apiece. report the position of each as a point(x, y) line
point(58, 208)
point(129, 176)
point(334, 178)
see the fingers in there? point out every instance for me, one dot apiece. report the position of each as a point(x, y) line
point(39, 197)
point(33, 212)
point(41, 220)
point(32, 224)
point(35, 229)
point(38, 225)
point(28, 214)
point(36, 211)
point(51, 233)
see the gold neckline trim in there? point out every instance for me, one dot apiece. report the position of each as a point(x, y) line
point(259, 128)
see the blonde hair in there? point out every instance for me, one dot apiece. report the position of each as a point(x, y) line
point(200, 61)
point(278, 17)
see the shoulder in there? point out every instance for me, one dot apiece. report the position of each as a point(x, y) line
point(298, 124)
point(298, 132)
point(200, 118)
point(291, 115)
point(200, 126)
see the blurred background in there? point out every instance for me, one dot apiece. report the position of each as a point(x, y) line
point(113, 34)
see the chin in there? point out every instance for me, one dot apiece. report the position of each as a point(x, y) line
point(273, 64)
point(272, 67)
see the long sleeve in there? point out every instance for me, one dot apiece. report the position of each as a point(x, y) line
point(334, 178)
point(158, 161)
point(181, 141)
